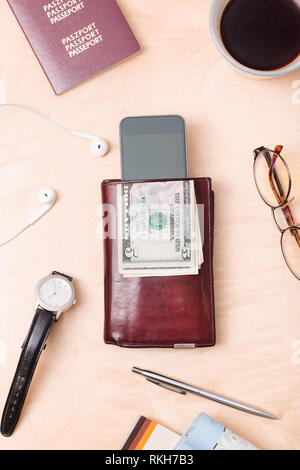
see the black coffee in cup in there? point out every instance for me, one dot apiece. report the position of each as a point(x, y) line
point(262, 34)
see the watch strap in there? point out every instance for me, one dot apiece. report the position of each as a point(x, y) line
point(32, 348)
point(56, 273)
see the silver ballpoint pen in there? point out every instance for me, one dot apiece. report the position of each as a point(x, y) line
point(183, 389)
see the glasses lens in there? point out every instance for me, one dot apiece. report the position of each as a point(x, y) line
point(273, 186)
point(291, 249)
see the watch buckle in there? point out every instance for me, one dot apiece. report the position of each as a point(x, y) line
point(58, 315)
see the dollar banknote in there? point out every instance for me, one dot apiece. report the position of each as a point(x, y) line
point(174, 271)
point(158, 229)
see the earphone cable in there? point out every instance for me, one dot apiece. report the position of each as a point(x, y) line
point(35, 111)
point(27, 108)
point(99, 146)
point(15, 235)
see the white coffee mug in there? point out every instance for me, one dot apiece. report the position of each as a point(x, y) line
point(216, 12)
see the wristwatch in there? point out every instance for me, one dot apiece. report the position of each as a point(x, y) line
point(54, 295)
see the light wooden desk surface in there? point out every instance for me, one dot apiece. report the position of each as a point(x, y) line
point(84, 395)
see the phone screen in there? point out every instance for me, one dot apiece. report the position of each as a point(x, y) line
point(153, 147)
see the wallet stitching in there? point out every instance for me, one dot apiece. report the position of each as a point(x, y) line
point(152, 345)
point(210, 255)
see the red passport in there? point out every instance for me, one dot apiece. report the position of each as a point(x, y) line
point(75, 39)
point(161, 312)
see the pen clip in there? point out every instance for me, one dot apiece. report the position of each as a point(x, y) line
point(168, 387)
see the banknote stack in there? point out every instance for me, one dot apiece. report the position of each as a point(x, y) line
point(158, 229)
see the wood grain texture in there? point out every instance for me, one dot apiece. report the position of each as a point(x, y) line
point(83, 395)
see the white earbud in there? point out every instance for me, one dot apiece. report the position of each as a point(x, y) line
point(99, 146)
point(47, 196)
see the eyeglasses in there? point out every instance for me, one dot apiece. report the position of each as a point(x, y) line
point(273, 181)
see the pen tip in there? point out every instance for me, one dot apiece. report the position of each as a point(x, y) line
point(268, 415)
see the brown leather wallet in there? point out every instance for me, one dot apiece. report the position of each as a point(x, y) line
point(163, 312)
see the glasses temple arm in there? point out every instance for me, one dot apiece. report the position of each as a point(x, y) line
point(276, 177)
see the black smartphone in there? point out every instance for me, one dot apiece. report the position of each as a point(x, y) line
point(153, 147)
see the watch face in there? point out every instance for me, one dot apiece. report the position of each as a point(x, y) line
point(55, 293)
